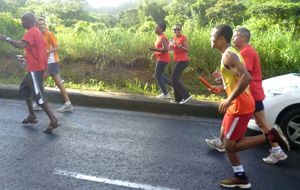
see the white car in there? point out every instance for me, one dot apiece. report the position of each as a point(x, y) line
point(282, 105)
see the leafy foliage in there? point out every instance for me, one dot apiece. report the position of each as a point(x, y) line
point(101, 40)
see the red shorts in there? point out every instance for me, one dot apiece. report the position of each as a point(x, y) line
point(235, 127)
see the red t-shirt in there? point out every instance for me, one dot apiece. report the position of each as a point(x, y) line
point(179, 54)
point(253, 65)
point(162, 56)
point(35, 51)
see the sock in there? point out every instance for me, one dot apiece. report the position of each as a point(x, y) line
point(276, 149)
point(239, 172)
point(67, 103)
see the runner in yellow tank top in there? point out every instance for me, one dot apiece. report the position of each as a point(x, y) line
point(244, 103)
point(238, 106)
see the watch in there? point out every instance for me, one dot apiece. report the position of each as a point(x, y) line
point(8, 39)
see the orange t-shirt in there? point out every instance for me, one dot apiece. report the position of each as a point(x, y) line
point(51, 42)
point(244, 103)
point(179, 54)
point(162, 56)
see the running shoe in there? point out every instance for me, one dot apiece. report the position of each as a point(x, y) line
point(66, 108)
point(183, 101)
point(273, 158)
point(216, 143)
point(163, 96)
point(236, 182)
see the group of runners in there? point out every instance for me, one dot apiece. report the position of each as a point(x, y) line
point(41, 60)
point(239, 76)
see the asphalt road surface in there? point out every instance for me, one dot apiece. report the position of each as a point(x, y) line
point(119, 150)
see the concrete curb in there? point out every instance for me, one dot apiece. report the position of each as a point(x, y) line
point(122, 101)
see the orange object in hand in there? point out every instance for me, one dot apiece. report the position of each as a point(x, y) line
point(208, 85)
point(205, 82)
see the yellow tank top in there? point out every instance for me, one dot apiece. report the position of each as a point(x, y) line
point(244, 103)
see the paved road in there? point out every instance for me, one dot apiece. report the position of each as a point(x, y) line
point(118, 150)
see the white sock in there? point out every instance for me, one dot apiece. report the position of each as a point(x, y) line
point(238, 168)
point(67, 103)
point(276, 149)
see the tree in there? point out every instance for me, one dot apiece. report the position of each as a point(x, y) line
point(179, 11)
point(199, 9)
point(285, 14)
point(129, 18)
point(153, 10)
point(230, 11)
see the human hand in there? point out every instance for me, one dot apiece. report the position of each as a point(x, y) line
point(216, 74)
point(20, 58)
point(224, 105)
point(216, 89)
point(152, 49)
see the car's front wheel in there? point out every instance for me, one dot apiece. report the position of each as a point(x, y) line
point(290, 125)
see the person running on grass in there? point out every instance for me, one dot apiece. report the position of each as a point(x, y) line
point(241, 38)
point(238, 107)
point(36, 63)
point(53, 65)
point(181, 48)
point(161, 53)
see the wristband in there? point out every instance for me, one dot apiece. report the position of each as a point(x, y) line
point(8, 39)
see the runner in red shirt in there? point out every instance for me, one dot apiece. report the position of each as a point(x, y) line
point(180, 47)
point(161, 53)
point(36, 63)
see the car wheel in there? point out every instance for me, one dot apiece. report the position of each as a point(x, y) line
point(290, 125)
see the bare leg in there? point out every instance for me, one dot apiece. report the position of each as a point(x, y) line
point(248, 142)
point(261, 121)
point(31, 117)
point(53, 119)
point(59, 84)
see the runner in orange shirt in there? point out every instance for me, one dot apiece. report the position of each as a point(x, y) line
point(161, 53)
point(53, 65)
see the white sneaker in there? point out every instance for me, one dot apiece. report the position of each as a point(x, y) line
point(36, 107)
point(183, 101)
point(273, 158)
point(163, 96)
point(66, 108)
point(216, 143)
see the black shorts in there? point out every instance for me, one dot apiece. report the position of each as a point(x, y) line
point(259, 106)
point(32, 86)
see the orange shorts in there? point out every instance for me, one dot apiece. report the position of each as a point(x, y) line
point(235, 127)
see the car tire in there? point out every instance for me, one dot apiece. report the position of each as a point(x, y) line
point(290, 125)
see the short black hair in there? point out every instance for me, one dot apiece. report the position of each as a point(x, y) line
point(162, 25)
point(224, 30)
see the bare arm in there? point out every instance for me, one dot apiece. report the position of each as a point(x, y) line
point(165, 47)
point(54, 49)
point(18, 44)
point(184, 46)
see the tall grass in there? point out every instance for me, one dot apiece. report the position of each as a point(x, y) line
point(100, 46)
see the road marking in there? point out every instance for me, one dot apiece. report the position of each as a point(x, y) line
point(108, 181)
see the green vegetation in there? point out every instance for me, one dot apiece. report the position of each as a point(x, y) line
point(110, 52)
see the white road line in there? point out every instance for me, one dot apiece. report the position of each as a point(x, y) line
point(108, 181)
